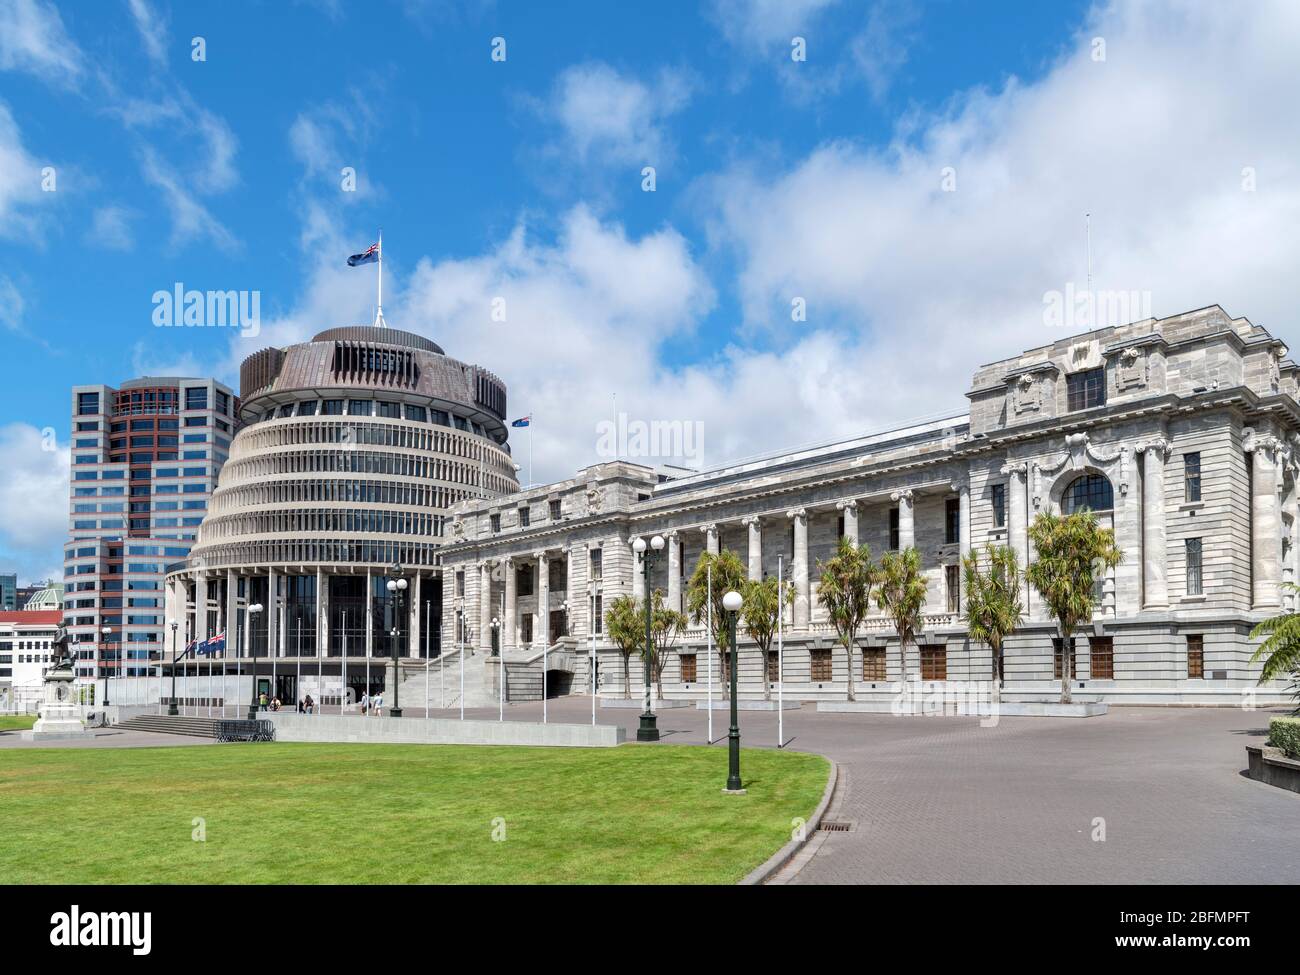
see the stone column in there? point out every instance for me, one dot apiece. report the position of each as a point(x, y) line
point(799, 567)
point(322, 615)
point(1155, 560)
point(200, 608)
point(1266, 522)
point(674, 571)
point(485, 607)
point(850, 511)
point(906, 523)
point(755, 526)
point(542, 632)
point(230, 616)
point(510, 624)
point(414, 617)
point(370, 620)
point(638, 572)
point(711, 538)
point(1017, 527)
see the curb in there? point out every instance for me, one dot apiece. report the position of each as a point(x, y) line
point(760, 874)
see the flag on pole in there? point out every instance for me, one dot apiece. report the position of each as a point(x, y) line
point(215, 644)
point(523, 421)
point(368, 256)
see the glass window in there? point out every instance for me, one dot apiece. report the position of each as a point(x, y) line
point(1196, 656)
point(1191, 476)
point(1091, 491)
point(359, 407)
point(952, 520)
point(87, 403)
point(1101, 657)
point(331, 407)
point(196, 398)
point(1085, 390)
point(1194, 581)
point(999, 497)
point(893, 529)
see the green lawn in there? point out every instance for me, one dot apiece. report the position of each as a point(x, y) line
point(16, 722)
point(300, 813)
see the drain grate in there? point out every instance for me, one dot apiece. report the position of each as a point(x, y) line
point(834, 826)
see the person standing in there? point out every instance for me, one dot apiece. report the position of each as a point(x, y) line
point(365, 702)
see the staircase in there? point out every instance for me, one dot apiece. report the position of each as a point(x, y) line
point(172, 725)
point(477, 693)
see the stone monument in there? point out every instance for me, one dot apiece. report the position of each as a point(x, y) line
point(60, 713)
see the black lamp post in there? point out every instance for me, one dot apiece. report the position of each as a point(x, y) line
point(103, 639)
point(732, 602)
point(171, 708)
point(254, 704)
point(649, 728)
point(397, 591)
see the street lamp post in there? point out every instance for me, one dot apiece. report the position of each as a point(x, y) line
point(649, 728)
point(397, 589)
point(103, 633)
point(253, 612)
point(732, 602)
point(171, 708)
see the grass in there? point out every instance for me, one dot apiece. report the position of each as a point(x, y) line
point(306, 813)
point(16, 722)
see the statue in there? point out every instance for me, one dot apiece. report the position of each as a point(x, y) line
point(60, 713)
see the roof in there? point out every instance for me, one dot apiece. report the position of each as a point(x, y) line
point(37, 617)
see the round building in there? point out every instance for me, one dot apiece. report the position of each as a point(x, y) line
point(351, 450)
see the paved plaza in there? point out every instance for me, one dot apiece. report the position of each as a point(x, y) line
point(943, 800)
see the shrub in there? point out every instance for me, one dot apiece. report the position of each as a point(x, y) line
point(1284, 733)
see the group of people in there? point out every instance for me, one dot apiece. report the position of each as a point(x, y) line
point(372, 705)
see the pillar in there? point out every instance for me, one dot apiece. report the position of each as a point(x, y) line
point(230, 620)
point(485, 607)
point(200, 632)
point(799, 567)
point(674, 572)
point(322, 614)
point(1266, 522)
point(755, 526)
point(1017, 526)
point(1155, 562)
point(509, 625)
point(370, 619)
point(542, 632)
point(710, 539)
point(906, 522)
point(850, 511)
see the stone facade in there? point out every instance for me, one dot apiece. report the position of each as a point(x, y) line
point(1183, 433)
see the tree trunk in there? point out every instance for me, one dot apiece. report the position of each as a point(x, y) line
point(997, 672)
point(849, 650)
point(767, 684)
point(724, 667)
point(627, 678)
point(1067, 652)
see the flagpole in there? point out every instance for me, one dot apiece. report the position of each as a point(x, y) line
point(780, 647)
point(379, 302)
point(708, 626)
point(343, 665)
point(321, 639)
point(530, 449)
point(591, 626)
point(427, 609)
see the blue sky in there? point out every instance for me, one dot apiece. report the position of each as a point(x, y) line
point(775, 180)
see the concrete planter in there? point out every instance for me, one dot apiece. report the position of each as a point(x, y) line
point(1272, 767)
point(290, 726)
point(747, 705)
point(1005, 709)
point(638, 703)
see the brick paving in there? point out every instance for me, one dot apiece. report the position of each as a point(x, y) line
point(942, 800)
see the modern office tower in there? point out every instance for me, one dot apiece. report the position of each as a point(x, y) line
point(352, 447)
point(8, 593)
point(145, 459)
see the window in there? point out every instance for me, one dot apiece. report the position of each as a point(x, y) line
point(418, 413)
point(600, 613)
point(773, 666)
point(1085, 390)
point(688, 667)
point(523, 516)
point(952, 576)
point(1196, 656)
point(1057, 654)
point(391, 411)
point(460, 583)
point(873, 663)
point(1101, 657)
point(1091, 491)
point(893, 529)
point(196, 398)
point(555, 509)
point(595, 564)
point(821, 664)
point(331, 407)
point(952, 520)
point(359, 407)
point(1191, 476)
point(1193, 546)
point(934, 662)
point(526, 629)
point(495, 521)
point(999, 496)
point(524, 580)
point(87, 404)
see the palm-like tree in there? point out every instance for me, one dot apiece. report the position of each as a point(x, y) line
point(625, 627)
point(1280, 650)
point(764, 602)
point(993, 603)
point(665, 624)
point(844, 591)
point(1072, 550)
point(728, 573)
point(900, 592)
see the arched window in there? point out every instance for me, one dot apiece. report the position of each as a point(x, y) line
point(1091, 491)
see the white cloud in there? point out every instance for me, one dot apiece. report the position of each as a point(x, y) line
point(191, 220)
point(32, 39)
point(33, 501)
point(20, 180)
point(152, 28)
point(609, 117)
point(110, 228)
point(765, 24)
point(910, 288)
point(11, 305)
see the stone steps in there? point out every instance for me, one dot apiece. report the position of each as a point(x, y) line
point(172, 725)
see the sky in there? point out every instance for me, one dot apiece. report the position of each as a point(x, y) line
point(769, 222)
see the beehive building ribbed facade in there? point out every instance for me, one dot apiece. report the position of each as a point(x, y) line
point(352, 448)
